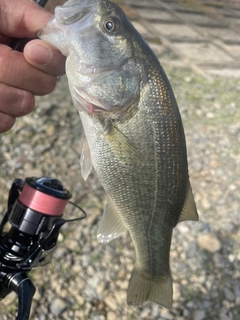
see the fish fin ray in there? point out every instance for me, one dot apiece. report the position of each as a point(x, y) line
point(121, 146)
point(189, 210)
point(141, 290)
point(85, 160)
point(111, 225)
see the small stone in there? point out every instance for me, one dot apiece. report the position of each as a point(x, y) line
point(183, 228)
point(94, 281)
point(38, 295)
point(198, 315)
point(237, 290)
point(10, 298)
point(145, 312)
point(206, 304)
point(86, 260)
point(226, 304)
point(238, 301)
point(58, 306)
point(165, 314)
point(231, 258)
point(72, 244)
point(206, 204)
point(218, 260)
point(186, 313)
point(60, 253)
point(190, 304)
point(111, 316)
point(191, 250)
point(77, 268)
point(90, 270)
point(176, 291)
point(228, 294)
point(223, 316)
point(122, 284)
point(122, 274)
point(111, 302)
point(50, 130)
point(97, 317)
point(121, 296)
point(210, 115)
point(209, 242)
point(155, 311)
point(80, 299)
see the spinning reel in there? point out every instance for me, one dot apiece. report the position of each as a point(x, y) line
point(35, 215)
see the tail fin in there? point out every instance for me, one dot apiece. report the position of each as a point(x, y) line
point(157, 290)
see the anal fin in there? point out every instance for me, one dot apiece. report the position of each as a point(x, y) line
point(111, 225)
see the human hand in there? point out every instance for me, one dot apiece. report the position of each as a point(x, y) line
point(33, 72)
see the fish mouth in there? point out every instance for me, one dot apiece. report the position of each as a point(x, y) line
point(92, 70)
point(74, 10)
point(68, 16)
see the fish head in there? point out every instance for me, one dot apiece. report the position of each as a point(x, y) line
point(103, 71)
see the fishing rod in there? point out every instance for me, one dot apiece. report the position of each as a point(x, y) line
point(35, 215)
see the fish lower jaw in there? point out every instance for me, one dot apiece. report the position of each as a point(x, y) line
point(101, 113)
point(88, 106)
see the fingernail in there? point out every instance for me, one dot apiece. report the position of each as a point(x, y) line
point(40, 54)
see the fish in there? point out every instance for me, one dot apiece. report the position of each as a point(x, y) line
point(135, 139)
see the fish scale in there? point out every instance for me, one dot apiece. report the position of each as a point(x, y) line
point(135, 138)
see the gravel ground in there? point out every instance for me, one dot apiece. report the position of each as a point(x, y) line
point(87, 280)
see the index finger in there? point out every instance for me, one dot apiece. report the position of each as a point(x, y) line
point(21, 18)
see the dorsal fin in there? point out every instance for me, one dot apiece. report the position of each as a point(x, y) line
point(189, 210)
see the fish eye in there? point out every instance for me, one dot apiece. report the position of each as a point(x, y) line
point(112, 25)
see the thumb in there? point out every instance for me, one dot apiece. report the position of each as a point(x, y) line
point(44, 57)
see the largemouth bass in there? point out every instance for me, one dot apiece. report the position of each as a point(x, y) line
point(134, 136)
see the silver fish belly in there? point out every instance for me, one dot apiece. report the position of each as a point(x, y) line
point(134, 133)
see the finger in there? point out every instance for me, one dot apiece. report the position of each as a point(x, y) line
point(16, 72)
point(7, 122)
point(44, 57)
point(15, 102)
point(21, 18)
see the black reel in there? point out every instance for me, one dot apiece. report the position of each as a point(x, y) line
point(35, 210)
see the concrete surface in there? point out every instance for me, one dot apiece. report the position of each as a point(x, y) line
point(202, 34)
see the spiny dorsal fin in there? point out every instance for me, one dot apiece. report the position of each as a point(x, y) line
point(189, 210)
point(111, 225)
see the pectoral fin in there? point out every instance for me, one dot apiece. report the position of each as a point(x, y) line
point(121, 146)
point(85, 161)
point(189, 211)
point(111, 225)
